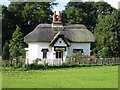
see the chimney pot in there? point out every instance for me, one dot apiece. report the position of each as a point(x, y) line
point(54, 16)
point(57, 20)
point(59, 16)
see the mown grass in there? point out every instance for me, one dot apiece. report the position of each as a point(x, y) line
point(94, 77)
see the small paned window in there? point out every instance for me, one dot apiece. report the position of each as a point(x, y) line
point(78, 50)
point(58, 54)
point(44, 53)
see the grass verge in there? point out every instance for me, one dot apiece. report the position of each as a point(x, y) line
point(79, 77)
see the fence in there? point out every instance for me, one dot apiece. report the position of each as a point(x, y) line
point(83, 61)
point(58, 61)
point(95, 61)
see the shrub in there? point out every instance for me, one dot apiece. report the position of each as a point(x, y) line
point(6, 63)
point(21, 61)
point(21, 69)
point(36, 60)
point(36, 66)
point(5, 54)
point(65, 65)
point(76, 55)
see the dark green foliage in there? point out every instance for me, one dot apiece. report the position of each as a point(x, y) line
point(21, 62)
point(5, 53)
point(16, 44)
point(107, 33)
point(27, 15)
point(6, 63)
point(85, 13)
point(103, 52)
point(44, 67)
point(74, 15)
point(36, 66)
point(76, 55)
point(50, 67)
point(36, 61)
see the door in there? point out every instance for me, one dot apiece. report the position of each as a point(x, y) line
point(59, 54)
point(59, 58)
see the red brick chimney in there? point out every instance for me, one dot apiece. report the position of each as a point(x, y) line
point(59, 16)
point(57, 22)
point(54, 16)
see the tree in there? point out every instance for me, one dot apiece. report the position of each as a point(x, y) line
point(107, 33)
point(86, 13)
point(27, 15)
point(5, 53)
point(89, 14)
point(74, 15)
point(16, 44)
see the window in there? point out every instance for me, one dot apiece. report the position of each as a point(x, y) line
point(44, 53)
point(58, 54)
point(77, 50)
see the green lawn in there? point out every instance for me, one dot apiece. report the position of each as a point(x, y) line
point(96, 77)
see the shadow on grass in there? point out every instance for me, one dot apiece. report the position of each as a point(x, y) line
point(50, 67)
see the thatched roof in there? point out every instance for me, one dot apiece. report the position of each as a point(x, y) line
point(72, 32)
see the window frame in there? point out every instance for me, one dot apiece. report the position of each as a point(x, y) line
point(78, 50)
point(59, 54)
point(44, 56)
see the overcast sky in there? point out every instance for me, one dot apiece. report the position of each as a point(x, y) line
point(62, 3)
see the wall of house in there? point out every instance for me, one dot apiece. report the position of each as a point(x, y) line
point(34, 50)
point(32, 53)
point(84, 46)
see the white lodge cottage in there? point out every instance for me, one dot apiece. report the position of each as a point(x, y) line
point(53, 42)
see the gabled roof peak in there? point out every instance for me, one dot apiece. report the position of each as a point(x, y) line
point(60, 34)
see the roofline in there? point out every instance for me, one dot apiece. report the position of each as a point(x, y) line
point(59, 36)
point(69, 41)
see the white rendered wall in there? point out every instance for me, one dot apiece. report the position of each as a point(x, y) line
point(35, 50)
point(36, 47)
point(84, 46)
